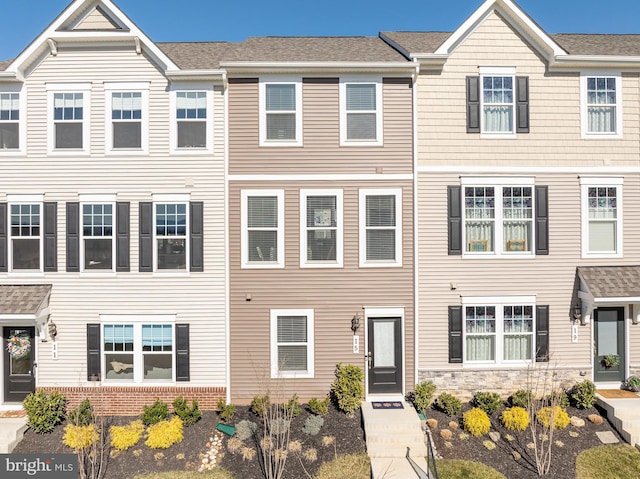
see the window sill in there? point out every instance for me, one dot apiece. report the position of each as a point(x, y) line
point(602, 136)
point(96, 274)
point(70, 152)
point(490, 255)
point(127, 152)
point(356, 143)
point(192, 151)
point(32, 274)
point(281, 144)
point(171, 274)
point(601, 255)
point(381, 265)
point(498, 136)
point(321, 264)
point(262, 266)
point(12, 152)
point(494, 365)
point(291, 375)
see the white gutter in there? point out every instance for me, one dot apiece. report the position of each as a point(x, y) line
point(214, 75)
point(316, 67)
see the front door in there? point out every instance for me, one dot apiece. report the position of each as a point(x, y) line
point(385, 355)
point(18, 364)
point(609, 345)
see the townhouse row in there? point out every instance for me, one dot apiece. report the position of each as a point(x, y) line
point(216, 220)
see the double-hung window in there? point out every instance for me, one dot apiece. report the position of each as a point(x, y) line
point(127, 117)
point(280, 112)
point(499, 330)
point(601, 217)
point(498, 217)
point(9, 121)
point(262, 235)
point(498, 101)
point(69, 117)
point(380, 227)
point(292, 343)
point(192, 120)
point(25, 220)
point(98, 235)
point(171, 220)
point(601, 105)
point(361, 112)
point(321, 228)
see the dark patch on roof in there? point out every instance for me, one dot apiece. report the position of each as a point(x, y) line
point(23, 299)
point(611, 281)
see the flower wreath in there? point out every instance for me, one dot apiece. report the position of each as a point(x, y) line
point(18, 346)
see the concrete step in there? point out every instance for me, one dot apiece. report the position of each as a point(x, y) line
point(384, 468)
point(11, 433)
point(397, 450)
point(408, 436)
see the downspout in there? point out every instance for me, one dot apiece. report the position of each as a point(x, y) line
point(227, 313)
point(416, 322)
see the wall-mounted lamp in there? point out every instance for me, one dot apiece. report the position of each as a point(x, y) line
point(577, 311)
point(53, 330)
point(355, 323)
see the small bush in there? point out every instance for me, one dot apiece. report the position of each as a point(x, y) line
point(312, 425)
point(487, 401)
point(321, 408)
point(348, 388)
point(521, 398)
point(79, 437)
point(557, 416)
point(226, 412)
point(164, 434)
point(293, 406)
point(632, 383)
point(422, 397)
point(189, 414)
point(515, 418)
point(158, 411)
point(476, 422)
point(81, 415)
point(125, 437)
point(560, 398)
point(260, 405)
point(44, 410)
point(583, 394)
point(448, 404)
point(245, 429)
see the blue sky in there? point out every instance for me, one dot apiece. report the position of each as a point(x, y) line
point(209, 20)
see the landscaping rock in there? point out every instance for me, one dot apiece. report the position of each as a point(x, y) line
point(577, 422)
point(495, 436)
point(595, 418)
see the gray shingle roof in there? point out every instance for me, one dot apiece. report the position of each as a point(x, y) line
point(418, 42)
point(612, 281)
point(195, 55)
point(23, 299)
point(4, 65)
point(600, 44)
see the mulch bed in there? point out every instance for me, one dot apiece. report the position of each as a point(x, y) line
point(502, 459)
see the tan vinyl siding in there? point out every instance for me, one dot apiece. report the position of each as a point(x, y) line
point(555, 127)
point(335, 294)
point(95, 21)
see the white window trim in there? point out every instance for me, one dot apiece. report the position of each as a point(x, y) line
point(499, 302)
point(25, 199)
point(173, 127)
point(275, 371)
point(21, 90)
point(244, 233)
point(166, 199)
point(344, 141)
point(501, 72)
point(85, 89)
point(127, 87)
point(585, 183)
point(263, 82)
point(584, 119)
point(363, 193)
point(94, 200)
point(138, 362)
point(498, 183)
point(338, 263)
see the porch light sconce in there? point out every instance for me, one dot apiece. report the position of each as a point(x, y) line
point(53, 330)
point(634, 311)
point(577, 311)
point(355, 323)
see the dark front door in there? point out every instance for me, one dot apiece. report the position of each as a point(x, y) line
point(385, 355)
point(609, 344)
point(18, 369)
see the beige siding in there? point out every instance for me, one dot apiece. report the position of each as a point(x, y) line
point(95, 21)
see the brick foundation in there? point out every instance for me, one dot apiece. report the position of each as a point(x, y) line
point(129, 401)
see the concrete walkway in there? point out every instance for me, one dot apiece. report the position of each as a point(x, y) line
point(11, 431)
point(624, 414)
point(389, 432)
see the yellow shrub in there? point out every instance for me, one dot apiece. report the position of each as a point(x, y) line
point(476, 422)
point(124, 437)
point(515, 418)
point(558, 417)
point(164, 434)
point(80, 437)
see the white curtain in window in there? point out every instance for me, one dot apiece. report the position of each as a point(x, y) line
point(479, 235)
point(498, 118)
point(481, 348)
point(517, 347)
point(602, 119)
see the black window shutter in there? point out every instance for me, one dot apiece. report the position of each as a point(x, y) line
point(122, 236)
point(473, 104)
point(73, 237)
point(542, 220)
point(454, 214)
point(4, 246)
point(50, 249)
point(146, 237)
point(93, 352)
point(182, 352)
point(542, 334)
point(455, 334)
point(196, 238)
point(522, 104)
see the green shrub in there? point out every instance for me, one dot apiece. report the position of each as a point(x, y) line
point(632, 383)
point(487, 401)
point(225, 411)
point(559, 397)
point(558, 416)
point(476, 422)
point(521, 398)
point(448, 404)
point(260, 405)
point(583, 394)
point(81, 415)
point(422, 397)
point(347, 388)
point(189, 414)
point(312, 425)
point(245, 429)
point(158, 411)
point(321, 408)
point(44, 410)
point(164, 433)
point(515, 418)
point(79, 437)
point(293, 406)
point(125, 437)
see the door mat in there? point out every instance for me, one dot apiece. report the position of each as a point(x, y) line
point(387, 405)
point(617, 393)
point(19, 413)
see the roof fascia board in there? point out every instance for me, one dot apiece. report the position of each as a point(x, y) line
point(578, 63)
point(319, 67)
point(394, 45)
point(197, 75)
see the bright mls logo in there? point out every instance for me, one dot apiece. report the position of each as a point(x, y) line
point(50, 466)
